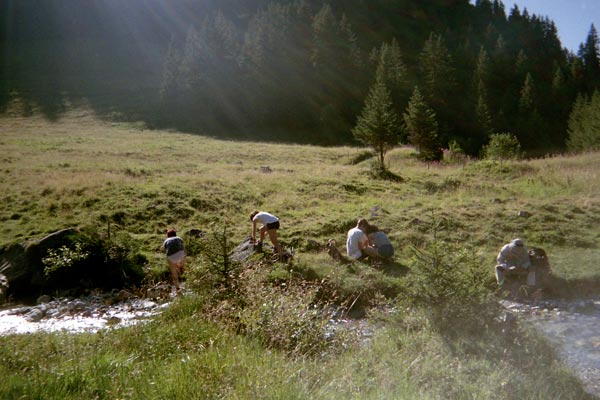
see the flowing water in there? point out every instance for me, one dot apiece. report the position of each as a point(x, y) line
point(573, 327)
point(88, 314)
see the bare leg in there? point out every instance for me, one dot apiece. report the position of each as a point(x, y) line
point(173, 267)
point(371, 251)
point(263, 230)
point(273, 237)
point(181, 266)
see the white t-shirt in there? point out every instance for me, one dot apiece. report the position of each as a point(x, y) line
point(265, 218)
point(355, 236)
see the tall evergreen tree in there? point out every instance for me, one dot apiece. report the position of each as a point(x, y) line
point(378, 125)
point(527, 99)
point(422, 127)
point(584, 124)
point(589, 54)
point(439, 83)
point(392, 70)
point(479, 110)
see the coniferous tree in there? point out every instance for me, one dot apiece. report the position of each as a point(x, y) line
point(480, 82)
point(169, 87)
point(436, 68)
point(439, 83)
point(584, 124)
point(378, 125)
point(422, 127)
point(526, 101)
point(393, 72)
point(589, 54)
point(530, 127)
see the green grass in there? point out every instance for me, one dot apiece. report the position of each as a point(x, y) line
point(81, 171)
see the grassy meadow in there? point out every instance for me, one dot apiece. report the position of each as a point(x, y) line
point(82, 171)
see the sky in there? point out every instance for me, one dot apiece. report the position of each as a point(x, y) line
point(573, 18)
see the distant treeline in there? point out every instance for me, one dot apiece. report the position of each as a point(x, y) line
point(298, 70)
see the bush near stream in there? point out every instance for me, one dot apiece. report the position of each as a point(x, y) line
point(93, 260)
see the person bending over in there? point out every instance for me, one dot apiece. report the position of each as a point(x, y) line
point(175, 250)
point(269, 224)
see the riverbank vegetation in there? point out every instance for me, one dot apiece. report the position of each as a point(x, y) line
point(431, 326)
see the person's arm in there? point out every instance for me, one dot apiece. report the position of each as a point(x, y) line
point(363, 243)
point(502, 259)
point(253, 230)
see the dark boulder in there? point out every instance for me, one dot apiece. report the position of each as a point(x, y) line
point(93, 263)
point(22, 266)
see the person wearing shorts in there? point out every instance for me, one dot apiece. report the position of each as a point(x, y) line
point(175, 250)
point(269, 224)
point(379, 244)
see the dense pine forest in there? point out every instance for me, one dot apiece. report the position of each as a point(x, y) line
point(305, 70)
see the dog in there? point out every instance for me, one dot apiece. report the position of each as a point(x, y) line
point(333, 251)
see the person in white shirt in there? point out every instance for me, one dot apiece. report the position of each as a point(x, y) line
point(357, 240)
point(269, 224)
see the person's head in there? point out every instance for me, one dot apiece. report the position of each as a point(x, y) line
point(253, 214)
point(362, 224)
point(171, 233)
point(517, 242)
point(371, 229)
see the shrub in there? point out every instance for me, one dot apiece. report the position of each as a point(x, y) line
point(454, 154)
point(93, 260)
point(502, 146)
point(63, 257)
point(449, 283)
point(215, 249)
point(286, 318)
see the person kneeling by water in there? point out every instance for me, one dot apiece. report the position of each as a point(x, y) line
point(513, 259)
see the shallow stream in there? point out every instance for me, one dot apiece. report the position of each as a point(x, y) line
point(87, 314)
point(574, 328)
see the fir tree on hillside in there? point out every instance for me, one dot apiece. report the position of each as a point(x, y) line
point(378, 124)
point(584, 124)
point(422, 127)
point(589, 55)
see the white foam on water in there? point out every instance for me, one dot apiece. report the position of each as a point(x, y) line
point(15, 321)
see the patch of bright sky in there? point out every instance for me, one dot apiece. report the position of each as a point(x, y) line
point(573, 18)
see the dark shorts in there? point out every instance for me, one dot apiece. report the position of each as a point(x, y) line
point(273, 225)
point(385, 251)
